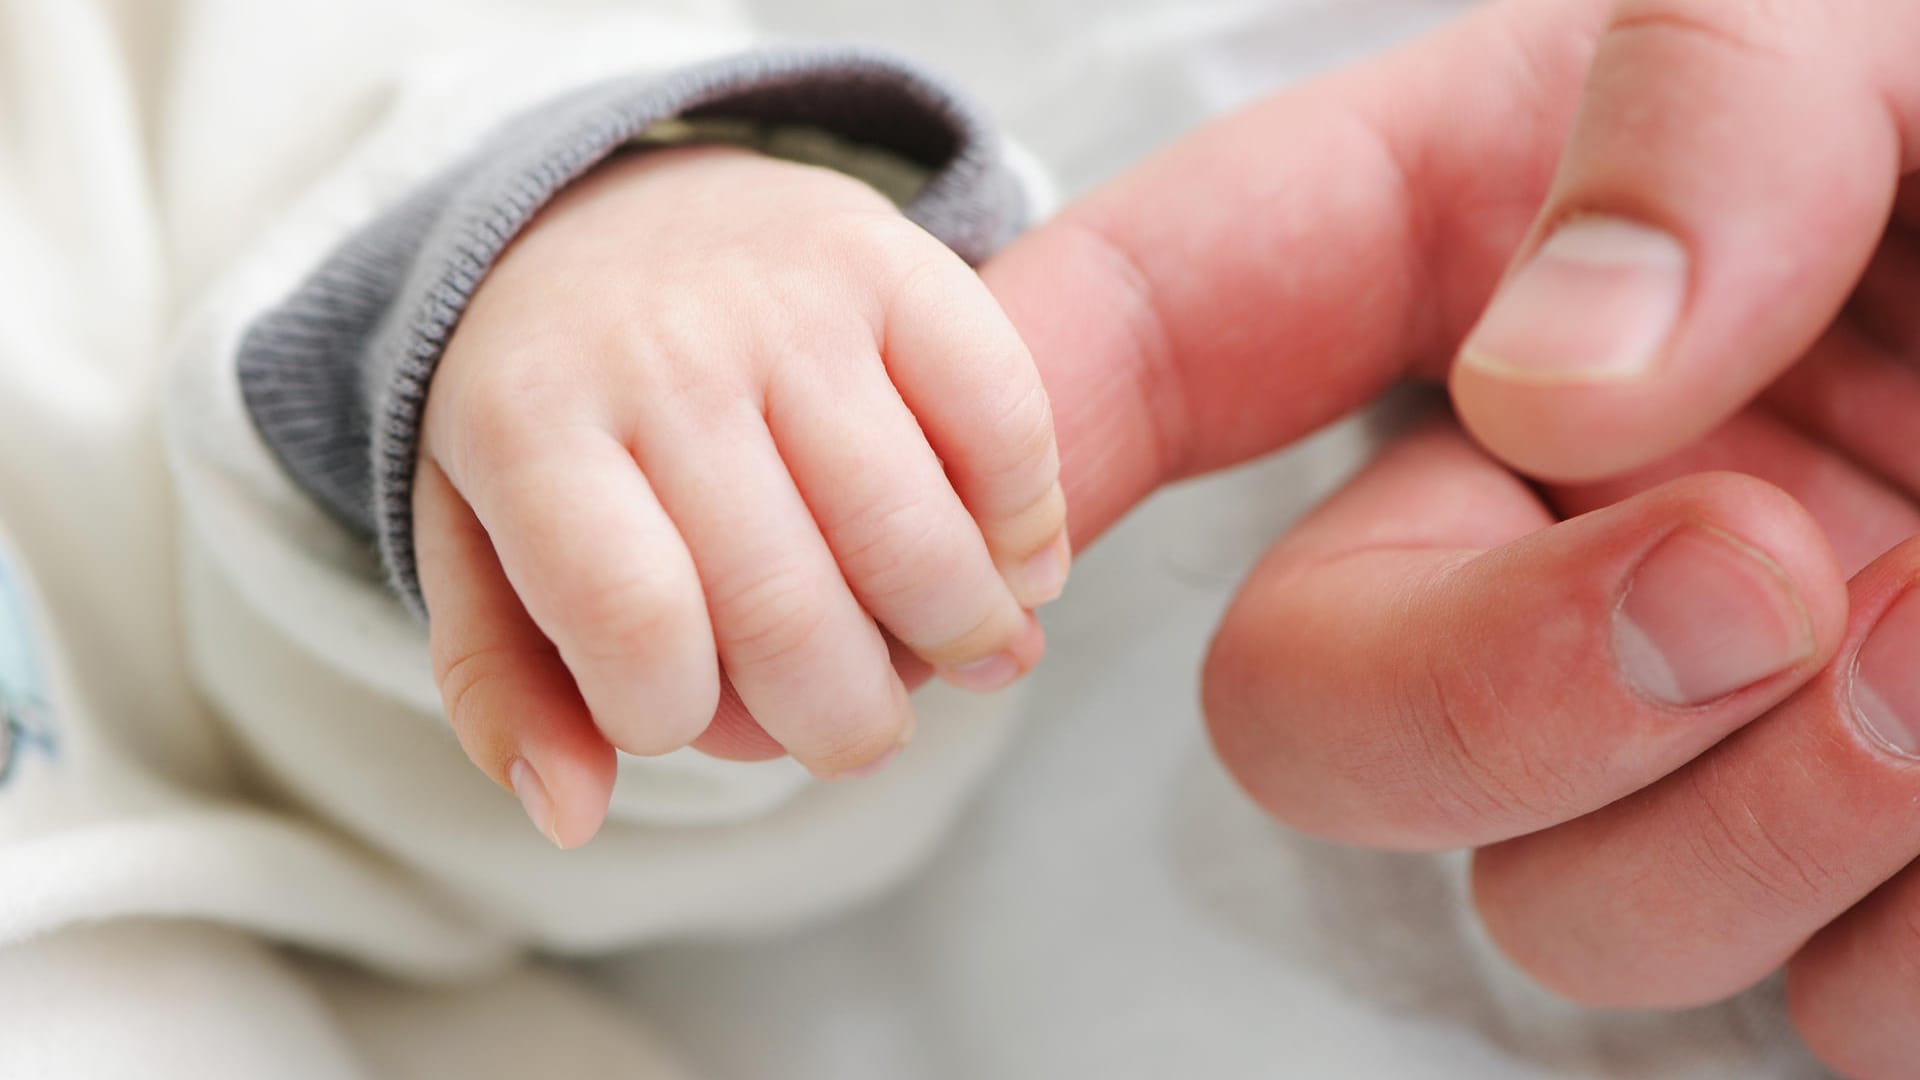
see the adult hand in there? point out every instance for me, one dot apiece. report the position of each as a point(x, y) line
point(1682, 739)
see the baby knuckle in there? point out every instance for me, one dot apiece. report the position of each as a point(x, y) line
point(631, 616)
point(460, 675)
point(889, 241)
point(773, 620)
point(1021, 434)
point(466, 680)
point(670, 354)
point(894, 551)
point(856, 739)
point(499, 420)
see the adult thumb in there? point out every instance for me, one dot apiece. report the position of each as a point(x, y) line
point(1728, 179)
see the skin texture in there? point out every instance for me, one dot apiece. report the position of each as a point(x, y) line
point(796, 442)
point(1437, 657)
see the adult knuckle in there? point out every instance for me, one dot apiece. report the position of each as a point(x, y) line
point(1738, 853)
point(1486, 779)
point(1149, 368)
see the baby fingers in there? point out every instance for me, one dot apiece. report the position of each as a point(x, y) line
point(807, 661)
point(604, 574)
point(906, 544)
point(962, 368)
point(511, 702)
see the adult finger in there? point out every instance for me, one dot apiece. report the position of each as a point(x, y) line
point(1701, 885)
point(1860, 397)
point(1854, 991)
point(1283, 266)
point(1728, 180)
point(1861, 515)
point(1425, 664)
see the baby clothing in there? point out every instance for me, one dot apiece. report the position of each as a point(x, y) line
point(237, 235)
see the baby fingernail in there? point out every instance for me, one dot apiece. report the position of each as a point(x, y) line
point(1596, 302)
point(1042, 578)
point(533, 798)
point(871, 768)
point(1706, 615)
point(985, 676)
point(1886, 678)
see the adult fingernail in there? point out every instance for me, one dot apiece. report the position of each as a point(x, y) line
point(1042, 578)
point(1705, 615)
point(534, 798)
point(985, 676)
point(1886, 678)
point(1596, 303)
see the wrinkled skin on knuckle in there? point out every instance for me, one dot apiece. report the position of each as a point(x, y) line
point(771, 619)
point(1021, 426)
point(1732, 848)
point(1492, 778)
point(889, 547)
point(630, 618)
point(463, 678)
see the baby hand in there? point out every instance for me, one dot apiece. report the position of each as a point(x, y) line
point(717, 411)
